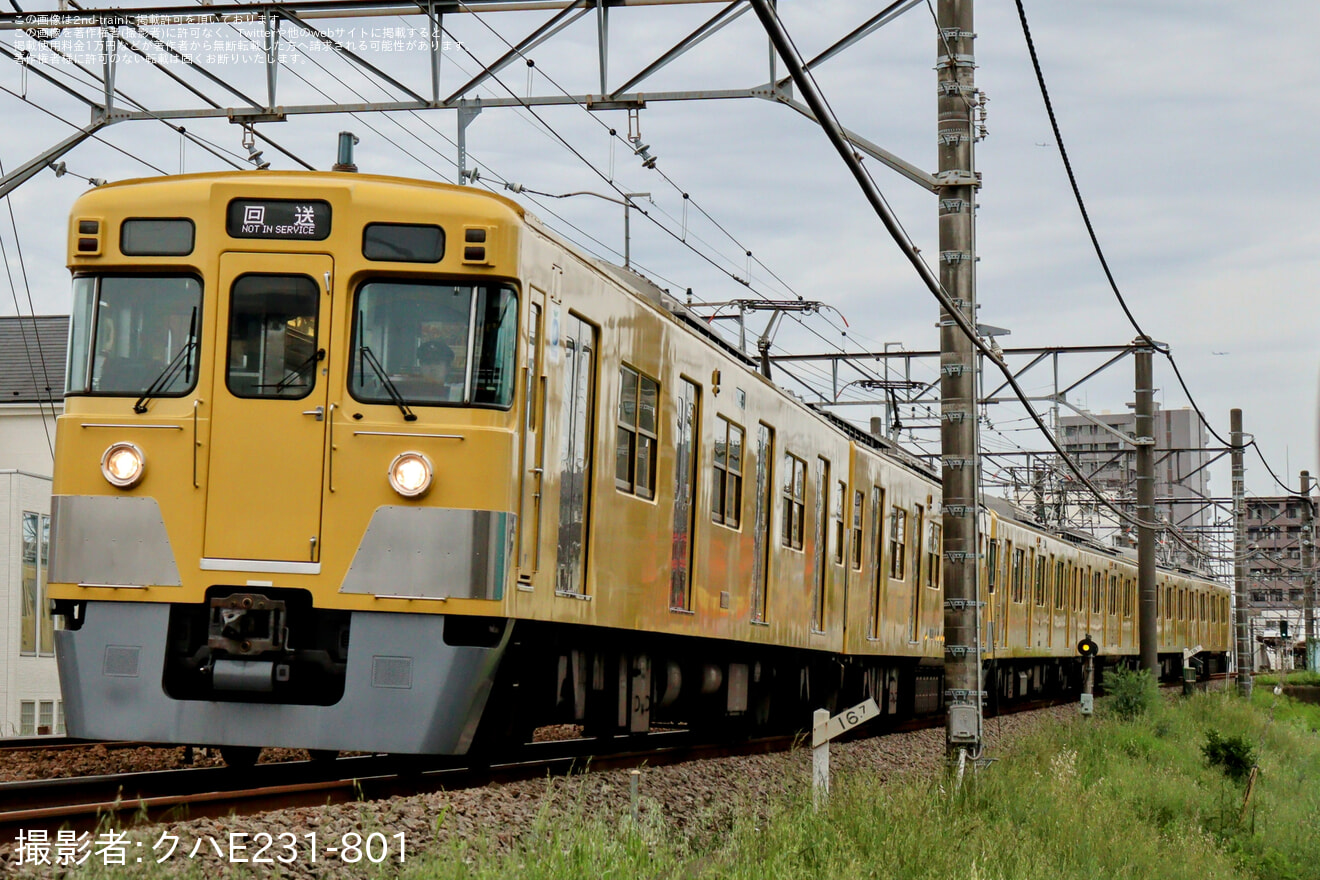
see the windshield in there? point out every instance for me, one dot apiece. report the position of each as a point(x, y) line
point(436, 344)
point(126, 330)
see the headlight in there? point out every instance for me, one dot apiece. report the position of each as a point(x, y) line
point(123, 465)
point(410, 474)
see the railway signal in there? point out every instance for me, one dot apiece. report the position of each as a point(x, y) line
point(1088, 650)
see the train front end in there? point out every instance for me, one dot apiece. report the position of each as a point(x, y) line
point(286, 474)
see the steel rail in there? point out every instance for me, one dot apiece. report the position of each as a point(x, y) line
point(83, 803)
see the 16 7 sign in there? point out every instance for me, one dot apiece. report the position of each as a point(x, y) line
point(844, 721)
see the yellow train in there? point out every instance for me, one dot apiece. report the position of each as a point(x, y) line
point(357, 462)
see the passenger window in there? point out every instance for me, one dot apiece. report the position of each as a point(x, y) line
point(634, 468)
point(795, 488)
point(272, 336)
point(992, 565)
point(897, 542)
point(726, 493)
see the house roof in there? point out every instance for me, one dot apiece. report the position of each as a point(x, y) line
point(32, 354)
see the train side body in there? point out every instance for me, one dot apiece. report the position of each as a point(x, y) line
point(623, 522)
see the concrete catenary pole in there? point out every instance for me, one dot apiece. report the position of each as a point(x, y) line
point(956, 66)
point(1308, 571)
point(1145, 443)
point(1243, 651)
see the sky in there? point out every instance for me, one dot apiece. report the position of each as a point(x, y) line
point(1191, 126)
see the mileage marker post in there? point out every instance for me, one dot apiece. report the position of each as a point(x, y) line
point(823, 729)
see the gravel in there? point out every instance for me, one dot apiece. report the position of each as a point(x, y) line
point(99, 760)
point(691, 799)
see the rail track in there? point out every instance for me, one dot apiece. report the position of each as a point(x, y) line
point(56, 743)
point(83, 803)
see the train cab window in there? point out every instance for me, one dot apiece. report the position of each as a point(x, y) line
point(897, 542)
point(726, 492)
point(992, 565)
point(635, 457)
point(272, 336)
point(795, 507)
point(434, 344)
point(130, 334)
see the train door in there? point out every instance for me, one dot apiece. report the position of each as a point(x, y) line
point(686, 437)
point(533, 446)
point(268, 409)
point(579, 345)
point(761, 537)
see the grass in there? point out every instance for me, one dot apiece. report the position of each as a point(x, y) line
point(1310, 679)
point(1104, 797)
point(1107, 796)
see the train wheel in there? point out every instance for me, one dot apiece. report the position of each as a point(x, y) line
point(240, 757)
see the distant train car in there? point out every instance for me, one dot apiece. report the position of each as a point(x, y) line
point(357, 462)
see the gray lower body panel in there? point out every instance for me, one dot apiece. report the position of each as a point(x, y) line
point(406, 690)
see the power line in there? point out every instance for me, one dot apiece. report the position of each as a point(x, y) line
point(50, 444)
point(1099, 252)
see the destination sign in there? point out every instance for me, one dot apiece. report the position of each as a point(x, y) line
point(278, 218)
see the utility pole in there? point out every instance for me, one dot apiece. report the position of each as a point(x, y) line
point(1240, 556)
point(957, 180)
point(1308, 572)
point(1145, 443)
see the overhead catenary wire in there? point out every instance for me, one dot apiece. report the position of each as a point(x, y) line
point(825, 115)
point(44, 392)
point(1099, 251)
point(609, 181)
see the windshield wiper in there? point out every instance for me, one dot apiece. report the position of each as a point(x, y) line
point(295, 376)
point(181, 361)
point(395, 397)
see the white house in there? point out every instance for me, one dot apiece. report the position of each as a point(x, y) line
point(31, 395)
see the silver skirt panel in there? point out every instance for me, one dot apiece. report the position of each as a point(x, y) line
point(104, 539)
point(407, 691)
point(434, 553)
